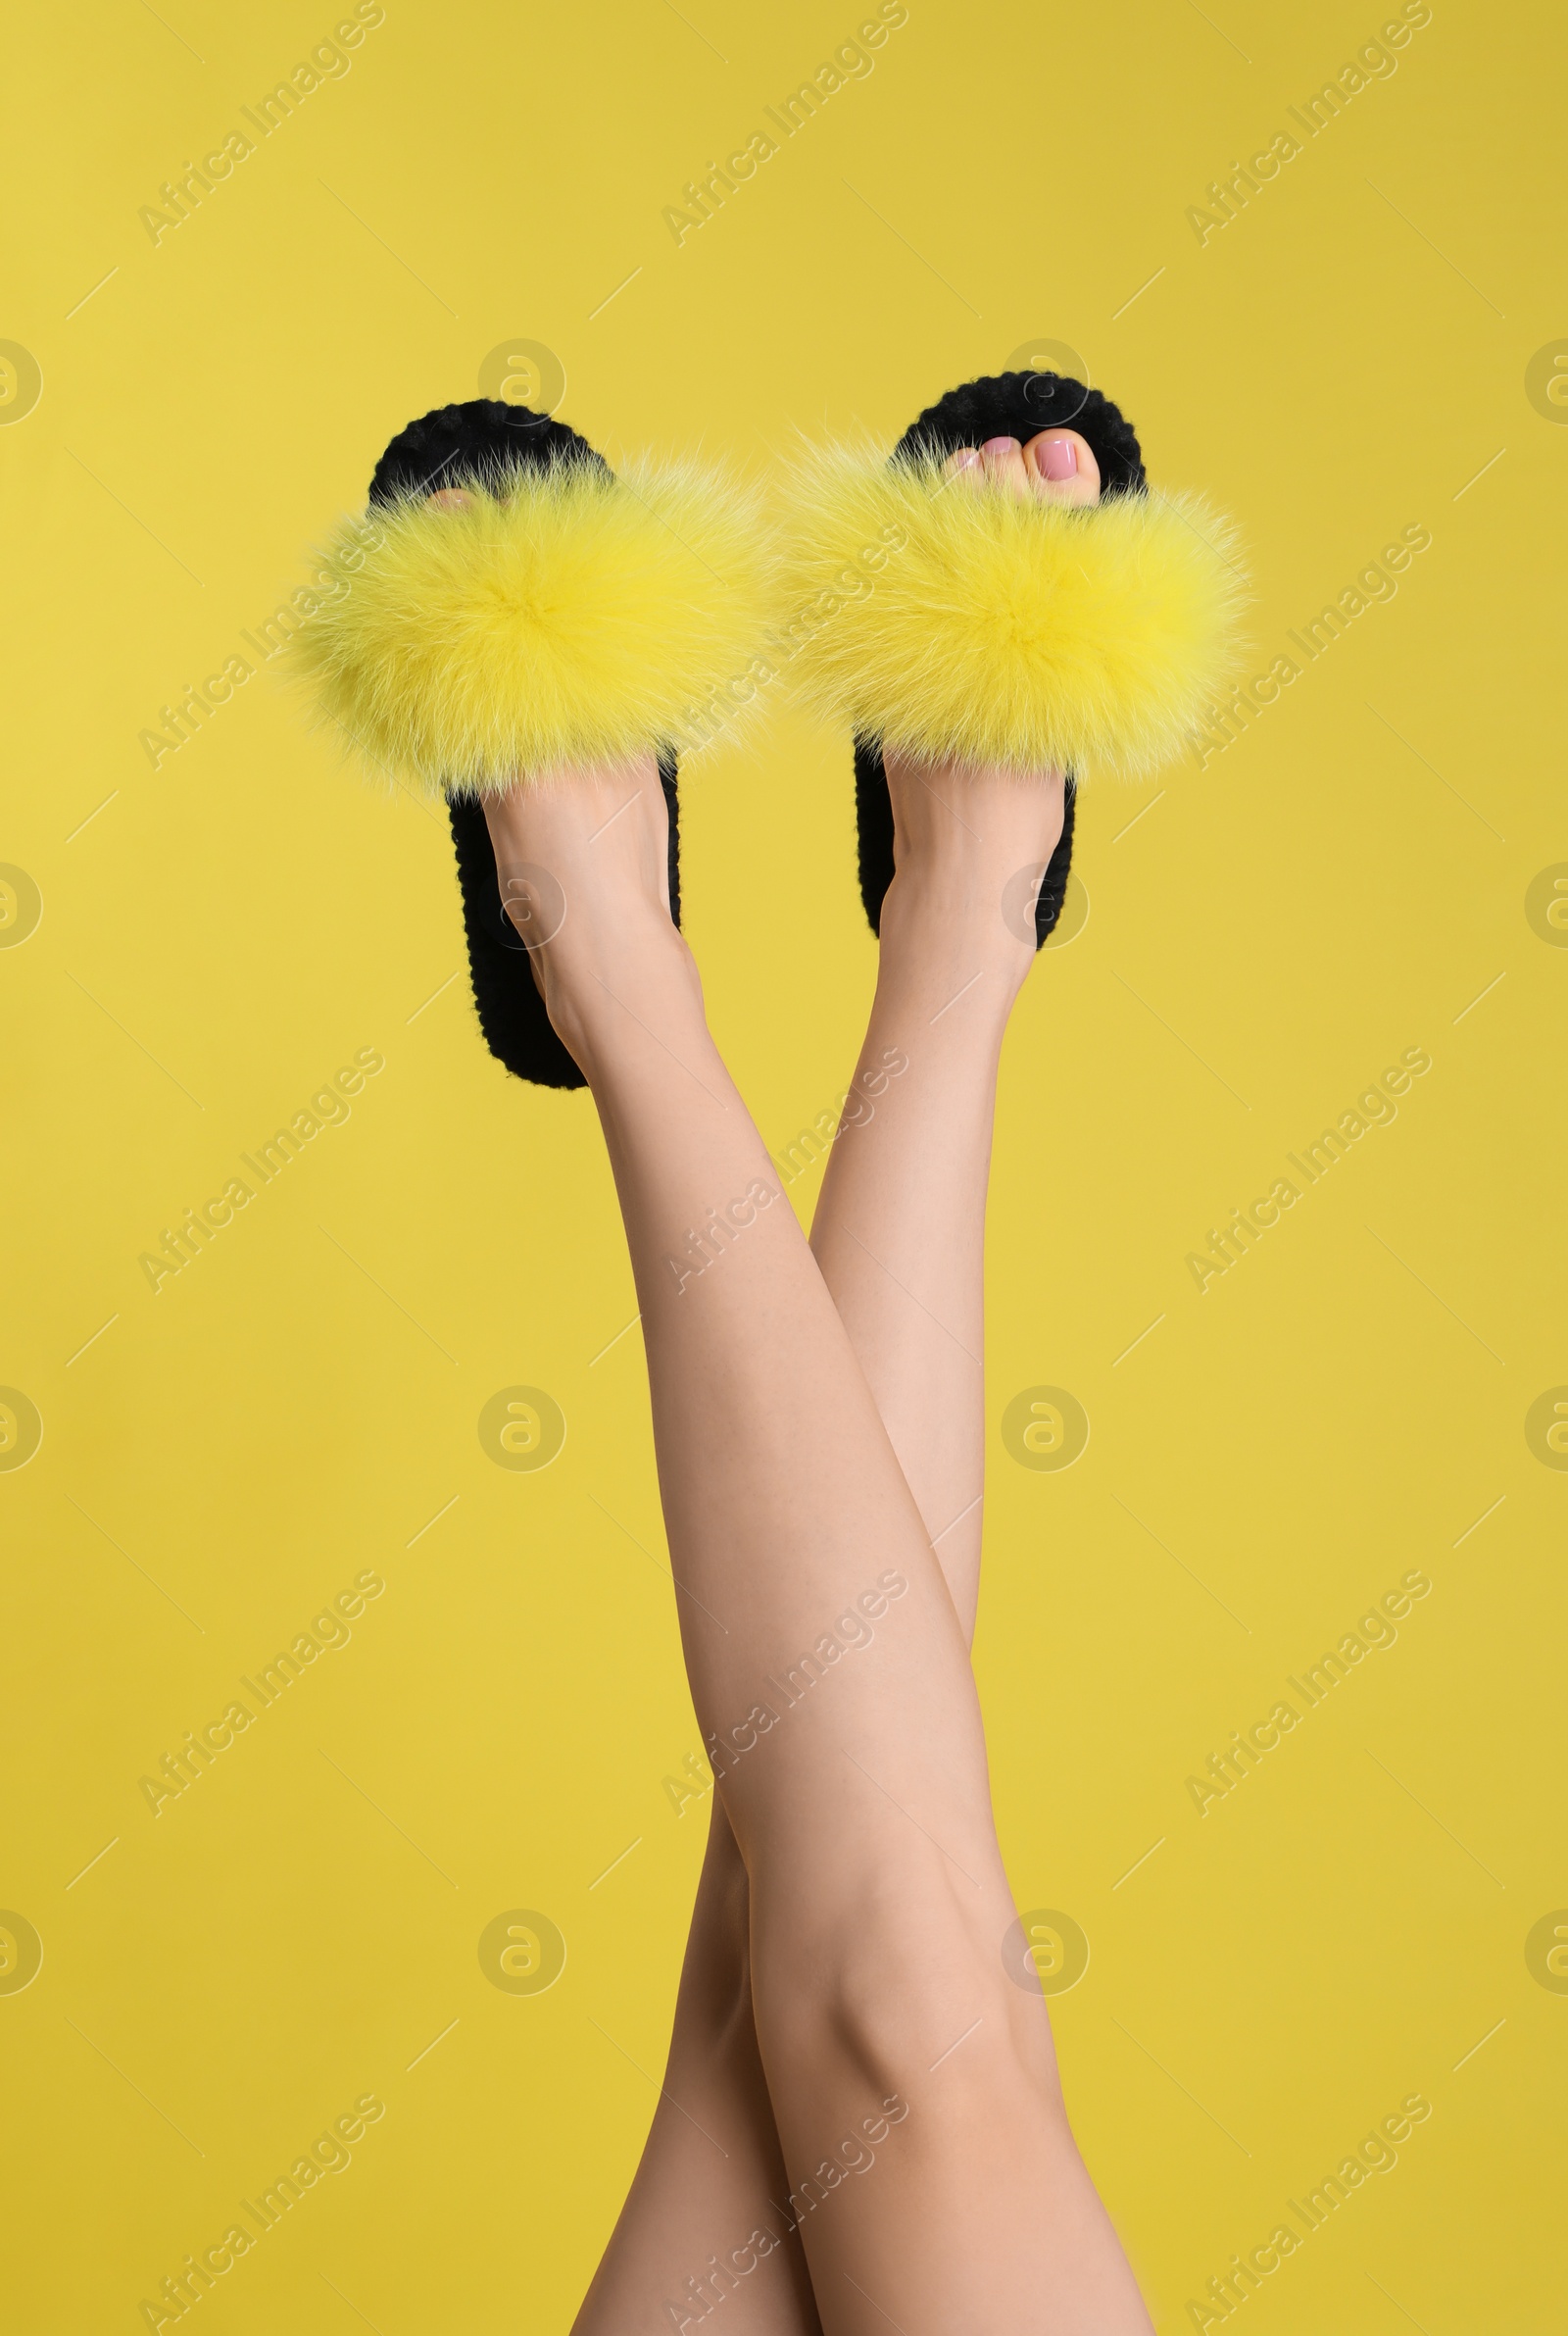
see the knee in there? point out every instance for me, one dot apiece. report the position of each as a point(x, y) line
point(885, 1997)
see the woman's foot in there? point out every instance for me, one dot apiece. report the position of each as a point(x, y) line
point(582, 864)
point(970, 852)
point(1058, 465)
point(972, 846)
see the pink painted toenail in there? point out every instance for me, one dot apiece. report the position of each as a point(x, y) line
point(966, 458)
point(998, 448)
point(1057, 457)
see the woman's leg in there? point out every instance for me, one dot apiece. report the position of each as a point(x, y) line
point(848, 1749)
point(900, 1229)
point(712, 2167)
point(899, 1236)
point(897, 1233)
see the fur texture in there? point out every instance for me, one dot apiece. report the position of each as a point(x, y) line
point(567, 617)
point(951, 621)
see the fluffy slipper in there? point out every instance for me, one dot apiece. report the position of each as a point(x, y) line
point(1010, 632)
point(558, 615)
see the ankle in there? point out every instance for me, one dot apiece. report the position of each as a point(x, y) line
point(582, 866)
point(617, 982)
point(945, 925)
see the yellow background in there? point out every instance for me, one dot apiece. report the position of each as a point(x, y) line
point(1337, 363)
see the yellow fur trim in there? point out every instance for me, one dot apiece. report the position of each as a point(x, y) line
point(565, 618)
point(953, 621)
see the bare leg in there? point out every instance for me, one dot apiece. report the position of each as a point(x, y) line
point(711, 2168)
point(876, 1928)
point(898, 1237)
point(900, 1229)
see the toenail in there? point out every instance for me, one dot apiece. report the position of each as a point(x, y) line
point(966, 458)
point(1057, 457)
point(998, 448)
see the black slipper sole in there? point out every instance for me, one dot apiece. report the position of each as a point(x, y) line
point(1001, 406)
point(446, 448)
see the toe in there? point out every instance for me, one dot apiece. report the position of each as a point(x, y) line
point(966, 464)
point(1062, 468)
point(1002, 459)
point(450, 498)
